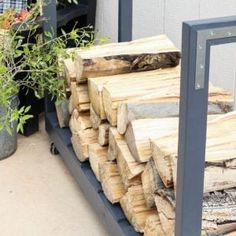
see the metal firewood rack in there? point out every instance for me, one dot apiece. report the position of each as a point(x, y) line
point(198, 37)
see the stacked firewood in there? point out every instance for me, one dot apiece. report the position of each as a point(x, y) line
point(124, 108)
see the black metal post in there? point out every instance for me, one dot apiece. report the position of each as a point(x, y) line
point(198, 36)
point(125, 20)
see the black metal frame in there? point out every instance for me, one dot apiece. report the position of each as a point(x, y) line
point(198, 36)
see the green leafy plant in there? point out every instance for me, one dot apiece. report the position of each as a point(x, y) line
point(35, 62)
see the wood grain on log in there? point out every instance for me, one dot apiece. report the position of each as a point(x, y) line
point(103, 134)
point(153, 226)
point(94, 118)
point(63, 115)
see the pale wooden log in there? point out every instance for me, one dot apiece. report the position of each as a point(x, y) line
point(97, 156)
point(151, 183)
point(219, 215)
point(94, 118)
point(63, 115)
point(145, 109)
point(134, 207)
point(79, 122)
point(103, 134)
point(130, 170)
point(162, 84)
point(69, 70)
point(219, 151)
point(139, 133)
point(81, 142)
point(70, 105)
point(80, 97)
point(153, 226)
point(115, 139)
point(111, 181)
point(139, 55)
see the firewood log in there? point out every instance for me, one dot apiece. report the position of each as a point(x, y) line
point(63, 114)
point(97, 156)
point(69, 70)
point(220, 155)
point(111, 181)
point(103, 134)
point(115, 139)
point(151, 183)
point(153, 226)
point(219, 212)
point(134, 207)
point(94, 118)
point(118, 58)
point(81, 142)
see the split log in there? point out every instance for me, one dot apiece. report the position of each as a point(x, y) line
point(139, 133)
point(115, 139)
point(130, 169)
point(63, 114)
point(94, 118)
point(153, 226)
point(119, 58)
point(80, 97)
point(219, 212)
point(145, 109)
point(103, 134)
point(111, 181)
point(134, 207)
point(162, 84)
point(151, 183)
point(79, 122)
point(220, 155)
point(81, 142)
point(69, 70)
point(97, 157)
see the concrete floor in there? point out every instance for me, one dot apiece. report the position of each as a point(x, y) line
point(38, 196)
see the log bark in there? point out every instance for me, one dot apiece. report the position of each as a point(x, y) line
point(134, 207)
point(153, 226)
point(220, 150)
point(115, 139)
point(63, 114)
point(94, 118)
point(111, 181)
point(134, 110)
point(97, 157)
point(151, 183)
point(81, 142)
point(79, 122)
point(138, 55)
point(219, 215)
point(103, 134)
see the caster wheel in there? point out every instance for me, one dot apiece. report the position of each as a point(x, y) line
point(53, 149)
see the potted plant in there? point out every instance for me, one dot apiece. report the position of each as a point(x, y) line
point(36, 62)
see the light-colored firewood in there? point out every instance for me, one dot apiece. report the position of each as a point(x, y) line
point(149, 109)
point(69, 70)
point(118, 58)
point(81, 142)
point(103, 134)
point(134, 207)
point(94, 118)
point(220, 153)
point(97, 156)
point(80, 97)
point(130, 170)
point(115, 139)
point(70, 105)
point(63, 115)
point(151, 183)
point(111, 181)
point(153, 226)
point(162, 84)
point(79, 122)
point(139, 133)
point(219, 212)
